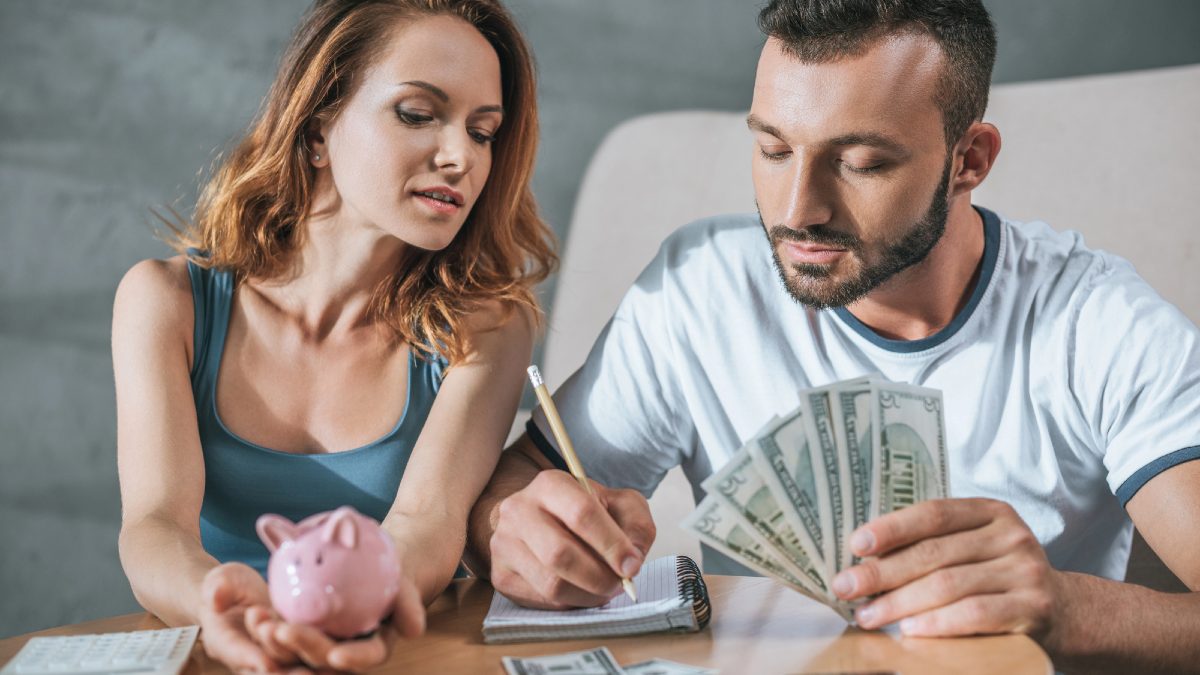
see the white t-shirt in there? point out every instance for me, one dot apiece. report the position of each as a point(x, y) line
point(1068, 382)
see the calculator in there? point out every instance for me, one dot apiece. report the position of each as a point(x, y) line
point(153, 652)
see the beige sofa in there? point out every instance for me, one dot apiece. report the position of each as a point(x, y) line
point(1116, 157)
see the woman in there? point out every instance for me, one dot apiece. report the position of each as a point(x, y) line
point(353, 303)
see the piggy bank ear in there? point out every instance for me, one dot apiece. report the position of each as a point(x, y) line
point(341, 528)
point(274, 530)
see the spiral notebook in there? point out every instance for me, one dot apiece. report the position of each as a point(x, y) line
point(671, 597)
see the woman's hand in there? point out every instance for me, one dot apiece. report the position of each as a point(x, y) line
point(291, 643)
point(230, 593)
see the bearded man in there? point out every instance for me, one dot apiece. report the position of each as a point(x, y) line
point(1072, 390)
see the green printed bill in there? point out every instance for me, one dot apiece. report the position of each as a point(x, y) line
point(598, 661)
point(787, 501)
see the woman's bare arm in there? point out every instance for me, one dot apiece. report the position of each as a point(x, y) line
point(159, 460)
point(459, 447)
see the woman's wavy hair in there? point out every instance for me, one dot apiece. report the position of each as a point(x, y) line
point(251, 214)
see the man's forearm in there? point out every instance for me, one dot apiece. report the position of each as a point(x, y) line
point(1109, 626)
point(514, 471)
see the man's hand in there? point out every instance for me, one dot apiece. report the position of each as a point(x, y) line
point(555, 546)
point(951, 567)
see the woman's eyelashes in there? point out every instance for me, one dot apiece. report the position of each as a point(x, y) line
point(482, 136)
point(414, 118)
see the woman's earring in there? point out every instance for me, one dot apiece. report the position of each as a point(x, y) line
point(317, 157)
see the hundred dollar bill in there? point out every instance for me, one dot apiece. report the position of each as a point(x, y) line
point(598, 661)
point(851, 405)
point(909, 465)
point(665, 667)
point(715, 527)
point(836, 467)
point(739, 485)
point(796, 475)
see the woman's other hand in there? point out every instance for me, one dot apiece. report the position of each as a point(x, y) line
point(228, 593)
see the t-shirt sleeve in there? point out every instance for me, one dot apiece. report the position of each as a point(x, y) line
point(621, 409)
point(1136, 367)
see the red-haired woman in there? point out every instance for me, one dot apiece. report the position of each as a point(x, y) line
point(348, 322)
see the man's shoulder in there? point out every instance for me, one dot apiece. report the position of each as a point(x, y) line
point(1044, 258)
point(1058, 272)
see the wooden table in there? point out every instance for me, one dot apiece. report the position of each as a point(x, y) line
point(758, 627)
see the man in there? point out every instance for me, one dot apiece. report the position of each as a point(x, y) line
point(1072, 391)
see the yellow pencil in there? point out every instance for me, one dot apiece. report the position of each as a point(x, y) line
point(568, 450)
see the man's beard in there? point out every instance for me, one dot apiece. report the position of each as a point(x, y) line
point(805, 285)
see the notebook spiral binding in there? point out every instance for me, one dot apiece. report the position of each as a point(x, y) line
point(691, 586)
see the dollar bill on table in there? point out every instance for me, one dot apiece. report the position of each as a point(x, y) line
point(787, 501)
point(665, 667)
point(598, 661)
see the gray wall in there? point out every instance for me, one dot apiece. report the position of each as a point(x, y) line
point(108, 108)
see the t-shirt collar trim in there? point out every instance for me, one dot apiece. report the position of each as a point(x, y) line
point(991, 250)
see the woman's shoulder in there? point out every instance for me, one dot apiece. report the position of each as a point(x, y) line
point(155, 295)
point(498, 329)
point(507, 317)
point(156, 281)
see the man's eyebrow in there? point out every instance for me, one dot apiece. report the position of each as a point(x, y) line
point(445, 98)
point(757, 124)
point(870, 139)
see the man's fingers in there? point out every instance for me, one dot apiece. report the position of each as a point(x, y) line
point(924, 520)
point(939, 588)
point(974, 615)
point(583, 514)
point(514, 587)
point(556, 589)
point(632, 513)
point(879, 575)
point(524, 579)
point(563, 555)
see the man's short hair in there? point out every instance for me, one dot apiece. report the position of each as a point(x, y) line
point(817, 31)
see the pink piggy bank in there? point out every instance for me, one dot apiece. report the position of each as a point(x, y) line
point(336, 571)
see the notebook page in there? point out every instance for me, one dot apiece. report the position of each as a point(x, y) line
point(658, 593)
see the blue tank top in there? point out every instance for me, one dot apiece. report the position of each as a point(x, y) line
point(243, 481)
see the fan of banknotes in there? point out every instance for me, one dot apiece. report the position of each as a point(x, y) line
point(787, 501)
